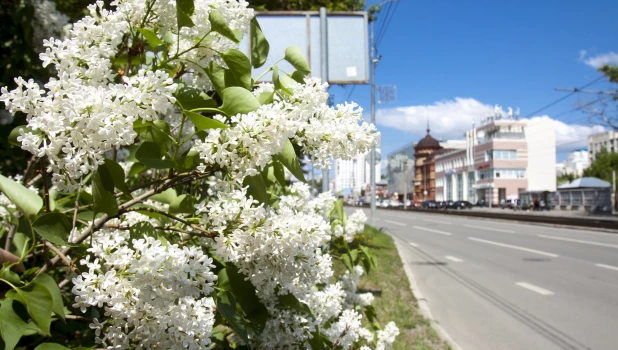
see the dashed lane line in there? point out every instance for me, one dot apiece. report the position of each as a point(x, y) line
point(396, 223)
point(610, 267)
point(514, 247)
point(580, 241)
point(534, 288)
point(490, 229)
point(432, 230)
point(452, 258)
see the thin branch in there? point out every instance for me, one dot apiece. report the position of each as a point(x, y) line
point(34, 180)
point(173, 217)
point(45, 188)
point(78, 318)
point(9, 237)
point(98, 223)
point(29, 168)
point(62, 257)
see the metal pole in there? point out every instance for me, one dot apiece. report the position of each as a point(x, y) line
point(324, 77)
point(372, 162)
point(405, 182)
point(613, 190)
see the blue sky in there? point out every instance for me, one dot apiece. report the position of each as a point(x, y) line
point(451, 60)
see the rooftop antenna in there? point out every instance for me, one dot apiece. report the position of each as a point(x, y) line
point(428, 126)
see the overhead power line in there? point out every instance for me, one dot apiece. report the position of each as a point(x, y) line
point(563, 98)
point(582, 106)
point(388, 22)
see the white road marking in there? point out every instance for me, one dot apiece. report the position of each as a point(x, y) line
point(535, 288)
point(438, 221)
point(452, 258)
point(490, 229)
point(514, 247)
point(580, 241)
point(432, 230)
point(607, 266)
point(395, 223)
point(413, 244)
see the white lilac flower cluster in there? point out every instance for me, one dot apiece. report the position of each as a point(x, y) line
point(83, 112)
point(284, 251)
point(355, 224)
point(321, 131)
point(155, 295)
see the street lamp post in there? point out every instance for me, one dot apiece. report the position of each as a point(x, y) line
point(372, 170)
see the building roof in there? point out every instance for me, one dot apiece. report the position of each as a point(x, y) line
point(585, 182)
point(428, 142)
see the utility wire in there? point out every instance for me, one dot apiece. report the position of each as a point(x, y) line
point(582, 106)
point(384, 21)
point(563, 98)
point(390, 19)
point(350, 92)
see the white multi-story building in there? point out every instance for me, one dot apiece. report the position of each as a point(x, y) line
point(607, 140)
point(575, 163)
point(503, 157)
point(353, 175)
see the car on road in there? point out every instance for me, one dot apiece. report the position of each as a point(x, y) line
point(382, 203)
point(509, 204)
point(393, 203)
point(459, 205)
point(429, 205)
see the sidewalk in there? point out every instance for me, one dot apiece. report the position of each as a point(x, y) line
point(553, 213)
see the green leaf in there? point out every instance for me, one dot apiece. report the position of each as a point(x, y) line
point(165, 197)
point(8, 275)
point(142, 229)
point(316, 341)
point(202, 123)
point(266, 97)
point(299, 76)
point(157, 132)
point(12, 327)
point(54, 227)
point(239, 69)
point(52, 287)
point(184, 10)
point(51, 346)
point(38, 301)
point(149, 153)
point(216, 74)
point(27, 201)
point(257, 187)
point(259, 44)
point(15, 133)
point(219, 25)
point(237, 100)
point(277, 82)
point(116, 173)
point(288, 158)
point(291, 302)
point(226, 306)
point(340, 213)
point(151, 37)
point(297, 59)
point(188, 162)
point(192, 98)
point(185, 203)
point(279, 172)
point(104, 200)
point(347, 261)
point(353, 255)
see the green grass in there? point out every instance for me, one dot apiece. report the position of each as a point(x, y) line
point(394, 300)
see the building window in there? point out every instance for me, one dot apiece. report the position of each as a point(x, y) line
point(459, 186)
point(471, 190)
point(501, 155)
point(449, 188)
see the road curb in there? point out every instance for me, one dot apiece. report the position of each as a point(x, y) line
point(422, 302)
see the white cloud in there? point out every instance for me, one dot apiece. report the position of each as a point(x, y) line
point(449, 119)
point(599, 61)
point(570, 137)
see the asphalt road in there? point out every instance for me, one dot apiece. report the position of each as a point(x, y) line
point(502, 285)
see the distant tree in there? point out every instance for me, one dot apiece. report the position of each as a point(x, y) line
point(307, 5)
point(605, 162)
point(605, 111)
point(565, 178)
